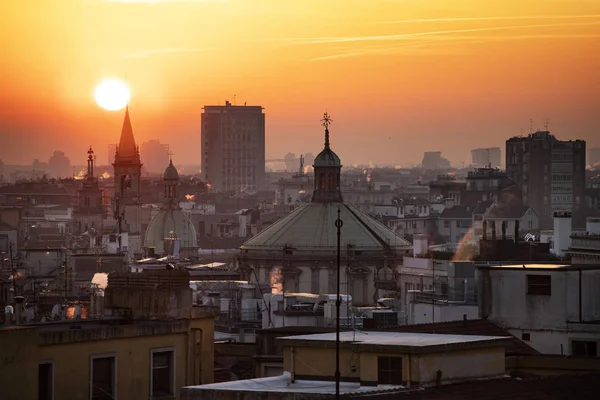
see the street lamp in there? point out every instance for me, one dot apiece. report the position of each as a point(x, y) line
point(338, 224)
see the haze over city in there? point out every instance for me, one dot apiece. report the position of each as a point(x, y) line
point(399, 77)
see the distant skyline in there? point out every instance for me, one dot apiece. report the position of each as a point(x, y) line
point(398, 77)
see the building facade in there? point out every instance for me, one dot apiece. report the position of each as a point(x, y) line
point(154, 155)
point(550, 172)
point(486, 157)
point(553, 308)
point(233, 147)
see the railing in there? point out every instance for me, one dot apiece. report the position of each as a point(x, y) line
point(451, 297)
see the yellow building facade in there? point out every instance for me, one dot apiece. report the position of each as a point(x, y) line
point(106, 359)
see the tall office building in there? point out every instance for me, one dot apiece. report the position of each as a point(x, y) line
point(550, 172)
point(593, 156)
point(233, 147)
point(487, 157)
point(433, 160)
point(155, 156)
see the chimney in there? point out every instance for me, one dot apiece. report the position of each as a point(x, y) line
point(448, 203)
point(18, 308)
point(562, 232)
point(484, 230)
point(517, 231)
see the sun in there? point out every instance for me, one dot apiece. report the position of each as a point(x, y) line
point(112, 94)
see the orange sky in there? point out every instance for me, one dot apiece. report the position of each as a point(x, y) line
point(399, 77)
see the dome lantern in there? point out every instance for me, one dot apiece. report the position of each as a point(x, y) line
point(327, 168)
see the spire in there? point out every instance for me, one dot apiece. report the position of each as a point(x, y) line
point(326, 121)
point(127, 148)
point(327, 171)
point(90, 172)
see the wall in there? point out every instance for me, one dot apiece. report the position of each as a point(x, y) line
point(472, 363)
point(18, 363)
point(552, 320)
point(318, 363)
point(422, 313)
point(21, 349)
point(72, 364)
point(512, 307)
point(558, 342)
point(312, 362)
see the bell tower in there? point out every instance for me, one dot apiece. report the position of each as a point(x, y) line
point(327, 168)
point(89, 212)
point(127, 166)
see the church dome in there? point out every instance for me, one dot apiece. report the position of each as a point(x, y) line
point(171, 173)
point(168, 227)
point(327, 158)
point(311, 228)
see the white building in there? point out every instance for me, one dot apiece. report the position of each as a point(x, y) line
point(304, 309)
point(554, 308)
point(585, 246)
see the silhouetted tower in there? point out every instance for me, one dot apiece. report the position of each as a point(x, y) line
point(171, 179)
point(327, 171)
point(127, 166)
point(90, 211)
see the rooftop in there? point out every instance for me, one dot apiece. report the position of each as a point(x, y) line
point(581, 386)
point(311, 227)
point(542, 267)
point(479, 327)
point(399, 341)
point(282, 383)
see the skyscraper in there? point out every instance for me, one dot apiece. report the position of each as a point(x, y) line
point(550, 172)
point(233, 147)
point(154, 155)
point(486, 157)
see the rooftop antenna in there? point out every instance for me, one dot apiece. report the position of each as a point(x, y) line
point(521, 134)
point(234, 99)
point(546, 124)
point(530, 125)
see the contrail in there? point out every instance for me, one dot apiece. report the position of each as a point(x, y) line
point(430, 33)
point(411, 21)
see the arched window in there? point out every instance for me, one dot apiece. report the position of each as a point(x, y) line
point(322, 179)
point(331, 182)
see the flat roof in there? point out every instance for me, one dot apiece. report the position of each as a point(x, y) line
point(283, 383)
point(398, 341)
point(540, 267)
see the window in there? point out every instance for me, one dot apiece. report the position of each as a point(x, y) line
point(389, 370)
point(103, 377)
point(539, 285)
point(45, 381)
point(162, 373)
point(525, 336)
point(446, 224)
point(582, 348)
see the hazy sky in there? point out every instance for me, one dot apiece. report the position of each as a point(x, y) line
point(399, 77)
